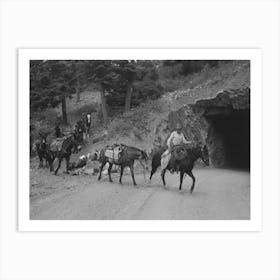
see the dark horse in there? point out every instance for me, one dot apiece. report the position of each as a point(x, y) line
point(185, 164)
point(41, 147)
point(69, 145)
point(80, 129)
point(128, 156)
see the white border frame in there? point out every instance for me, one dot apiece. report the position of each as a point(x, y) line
point(255, 222)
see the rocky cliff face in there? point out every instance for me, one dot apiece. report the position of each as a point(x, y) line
point(212, 106)
point(222, 123)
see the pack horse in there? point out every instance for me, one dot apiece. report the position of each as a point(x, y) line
point(68, 146)
point(123, 156)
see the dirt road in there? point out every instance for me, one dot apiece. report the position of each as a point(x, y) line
point(219, 194)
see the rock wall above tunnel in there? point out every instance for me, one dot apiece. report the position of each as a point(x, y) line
point(235, 99)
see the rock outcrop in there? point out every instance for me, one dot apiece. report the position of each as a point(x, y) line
point(211, 121)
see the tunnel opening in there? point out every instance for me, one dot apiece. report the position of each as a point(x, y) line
point(229, 137)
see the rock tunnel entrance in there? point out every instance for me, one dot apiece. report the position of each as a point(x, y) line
point(228, 135)
point(229, 139)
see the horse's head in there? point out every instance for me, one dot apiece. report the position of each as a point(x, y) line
point(204, 155)
point(43, 141)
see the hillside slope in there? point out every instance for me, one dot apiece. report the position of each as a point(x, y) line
point(149, 124)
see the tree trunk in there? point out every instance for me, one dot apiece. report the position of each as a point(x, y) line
point(78, 95)
point(103, 105)
point(128, 97)
point(78, 92)
point(63, 107)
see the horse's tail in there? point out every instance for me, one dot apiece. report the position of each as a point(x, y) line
point(144, 155)
point(101, 155)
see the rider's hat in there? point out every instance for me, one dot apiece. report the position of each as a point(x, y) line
point(178, 126)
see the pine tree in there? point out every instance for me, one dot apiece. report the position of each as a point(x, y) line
point(51, 82)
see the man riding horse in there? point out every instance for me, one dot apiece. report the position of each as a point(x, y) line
point(179, 156)
point(176, 138)
point(57, 132)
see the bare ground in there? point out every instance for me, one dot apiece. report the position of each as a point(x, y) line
point(219, 194)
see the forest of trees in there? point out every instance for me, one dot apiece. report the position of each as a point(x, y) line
point(123, 83)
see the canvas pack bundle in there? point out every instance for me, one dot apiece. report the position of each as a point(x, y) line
point(56, 145)
point(113, 154)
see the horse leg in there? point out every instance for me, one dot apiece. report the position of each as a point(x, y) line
point(59, 164)
point(51, 159)
point(181, 179)
point(40, 162)
point(193, 178)
point(100, 169)
point(67, 164)
point(163, 176)
point(51, 165)
point(121, 174)
point(152, 172)
point(132, 174)
point(47, 163)
point(109, 172)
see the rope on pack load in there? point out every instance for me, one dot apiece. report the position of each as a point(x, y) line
point(179, 152)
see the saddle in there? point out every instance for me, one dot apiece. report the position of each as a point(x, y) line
point(56, 145)
point(113, 153)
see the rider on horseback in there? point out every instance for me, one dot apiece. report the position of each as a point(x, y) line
point(57, 131)
point(176, 138)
